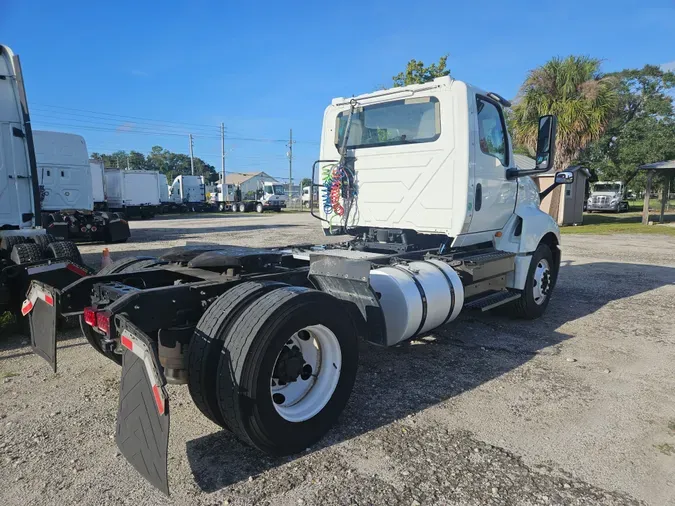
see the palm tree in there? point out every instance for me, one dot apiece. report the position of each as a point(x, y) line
point(583, 99)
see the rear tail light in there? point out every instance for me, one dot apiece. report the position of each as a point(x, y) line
point(103, 321)
point(98, 319)
point(90, 316)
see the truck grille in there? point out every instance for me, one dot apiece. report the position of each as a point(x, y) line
point(601, 200)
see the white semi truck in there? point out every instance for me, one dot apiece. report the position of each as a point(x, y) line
point(607, 196)
point(190, 192)
point(67, 191)
point(97, 169)
point(438, 219)
point(268, 196)
point(27, 251)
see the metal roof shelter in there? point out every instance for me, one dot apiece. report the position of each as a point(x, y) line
point(667, 170)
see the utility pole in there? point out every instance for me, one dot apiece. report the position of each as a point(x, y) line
point(290, 165)
point(222, 161)
point(192, 158)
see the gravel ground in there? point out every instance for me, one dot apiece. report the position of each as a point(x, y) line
point(577, 407)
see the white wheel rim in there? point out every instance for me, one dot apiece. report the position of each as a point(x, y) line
point(541, 284)
point(304, 397)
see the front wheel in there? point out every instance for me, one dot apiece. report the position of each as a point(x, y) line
point(538, 285)
point(258, 208)
point(284, 379)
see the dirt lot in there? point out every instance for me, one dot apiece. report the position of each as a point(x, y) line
point(575, 408)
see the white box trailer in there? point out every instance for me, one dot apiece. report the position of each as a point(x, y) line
point(134, 192)
point(98, 184)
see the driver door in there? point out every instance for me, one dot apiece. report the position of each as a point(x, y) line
point(494, 195)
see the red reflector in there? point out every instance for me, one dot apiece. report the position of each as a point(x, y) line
point(93, 229)
point(158, 399)
point(83, 229)
point(77, 270)
point(26, 307)
point(127, 343)
point(103, 321)
point(49, 299)
point(90, 316)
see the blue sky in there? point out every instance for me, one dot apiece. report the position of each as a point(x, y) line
point(264, 67)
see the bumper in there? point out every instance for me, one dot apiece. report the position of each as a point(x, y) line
point(599, 207)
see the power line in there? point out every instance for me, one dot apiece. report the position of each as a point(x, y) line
point(126, 116)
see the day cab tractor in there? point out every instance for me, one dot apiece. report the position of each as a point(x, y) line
point(268, 196)
point(27, 251)
point(439, 220)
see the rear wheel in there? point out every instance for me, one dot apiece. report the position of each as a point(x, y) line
point(9, 241)
point(283, 379)
point(258, 208)
point(242, 207)
point(538, 285)
point(44, 240)
point(64, 249)
point(25, 253)
point(207, 343)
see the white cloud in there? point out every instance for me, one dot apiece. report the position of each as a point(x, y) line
point(126, 127)
point(139, 73)
point(669, 67)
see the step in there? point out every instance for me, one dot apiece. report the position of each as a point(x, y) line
point(493, 300)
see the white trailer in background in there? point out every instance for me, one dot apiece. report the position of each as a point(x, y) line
point(98, 185)
point(165, 202)
point(134, 192)
point(66, 191)
point(190, 191)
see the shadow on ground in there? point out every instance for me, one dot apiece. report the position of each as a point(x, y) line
point(395, 382)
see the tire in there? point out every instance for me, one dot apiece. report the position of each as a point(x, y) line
point(258, 208)
point(249, 359)
point(64, 249)
point(120, 216)
point(527, 307)
point(207, 343)
point(242, 208)
point(9, 241)
point(221, 207)
point(44, 240)
point(24, 253)
point(128, 264)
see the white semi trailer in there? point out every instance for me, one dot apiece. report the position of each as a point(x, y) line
point(190, 191)
point(98, 185)
point(439, 220)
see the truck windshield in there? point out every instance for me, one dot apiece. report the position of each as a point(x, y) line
point(279, 189)
point(606, 187)
point(412, 120)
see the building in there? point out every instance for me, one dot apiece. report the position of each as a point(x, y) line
point(571, 210)
point(248, 181)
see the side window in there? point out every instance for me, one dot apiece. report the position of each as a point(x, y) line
point(491, 131)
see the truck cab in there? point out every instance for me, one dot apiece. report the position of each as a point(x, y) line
point(271, 195)
point(608, 196)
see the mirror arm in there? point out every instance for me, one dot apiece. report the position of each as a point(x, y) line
point(516, 173)
point(544, 194)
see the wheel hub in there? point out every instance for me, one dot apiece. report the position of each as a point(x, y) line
point(289, 365)
point(541, 284)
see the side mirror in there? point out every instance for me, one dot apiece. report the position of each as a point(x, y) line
point(548, 126)
point(564, 177)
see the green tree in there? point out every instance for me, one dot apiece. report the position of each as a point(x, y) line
point(416, 73)
point(583, 99)
point(642, 129)
point(305, 182)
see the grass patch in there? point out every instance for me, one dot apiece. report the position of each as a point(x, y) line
point(666, 449)
point(624, 223)
point(4, 374)
point(671, 426)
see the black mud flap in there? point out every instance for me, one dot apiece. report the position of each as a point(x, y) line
point(143, 415)
point(118, 230)
point(42, 304)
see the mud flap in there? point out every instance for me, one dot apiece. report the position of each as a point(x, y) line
point(143, 415)
point(41, 303)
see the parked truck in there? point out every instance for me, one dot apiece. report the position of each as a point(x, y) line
point(133, 192)
point(266, 340)
point(223, 200)
point(190, 192)
point(268, 196)
point(67, 191)
point(27, 251)
point(607, 196)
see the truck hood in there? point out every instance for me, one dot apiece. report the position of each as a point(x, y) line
point(605, 194)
